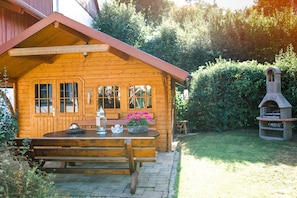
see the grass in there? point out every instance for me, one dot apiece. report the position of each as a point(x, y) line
point(236, 164)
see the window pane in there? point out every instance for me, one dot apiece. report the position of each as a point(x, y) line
point(140, 96)
point(43, 91)
point(75, 90)
point(109, 97)
point(37, 106)
point(68, 90)
point(44, 106)
point(43, 98)
point(50, 105)
point(62, 90)
point(62, 106)
point(68, 97)
point(36, 91)
point(50, 95)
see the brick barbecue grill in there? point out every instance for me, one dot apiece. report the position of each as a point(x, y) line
point(275, 121)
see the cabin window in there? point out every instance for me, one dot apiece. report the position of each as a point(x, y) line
point(109, 97)
point(43, 98)
point(68, 97)
point(140, 96)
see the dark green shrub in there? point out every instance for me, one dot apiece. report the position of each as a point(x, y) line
point(181, 106)
point(225, 96)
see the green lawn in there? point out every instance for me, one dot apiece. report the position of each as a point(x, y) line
point(236, 164)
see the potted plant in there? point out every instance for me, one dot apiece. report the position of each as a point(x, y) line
point(138, 122)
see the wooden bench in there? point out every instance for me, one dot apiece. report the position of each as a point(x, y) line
point(131, 151)
point(89, 124)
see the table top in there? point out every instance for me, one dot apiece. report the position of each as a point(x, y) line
point(109, 134)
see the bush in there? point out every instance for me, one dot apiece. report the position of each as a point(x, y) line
point(17, 179)
point(8, 122)
point(181, 106)
point(225, 96)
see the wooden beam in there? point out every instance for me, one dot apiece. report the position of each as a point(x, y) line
point(78, 34)
point(40, 59)
point(119, 53)
point(58, 50)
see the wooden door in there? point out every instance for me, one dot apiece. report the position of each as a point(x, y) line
point(69, 103)
point(56, 103)
point(43, 108)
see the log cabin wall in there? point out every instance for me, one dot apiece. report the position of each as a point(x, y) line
point(97, 69)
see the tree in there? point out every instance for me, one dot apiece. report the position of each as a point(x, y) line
point(121, 21)
point(251, 35)
point(269, 7)
point(163, 43)
point(193, 36)
point(153, 10)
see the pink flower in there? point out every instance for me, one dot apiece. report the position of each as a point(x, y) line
point(138, 118)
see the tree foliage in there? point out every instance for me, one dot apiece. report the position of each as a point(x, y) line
point(152, 10)
point(251, 35)
point(121, 21)
point(163, 44)
point(269, 7)
point(190, 36)
point(193, 36)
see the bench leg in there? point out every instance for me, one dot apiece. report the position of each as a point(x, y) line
point(134, 181)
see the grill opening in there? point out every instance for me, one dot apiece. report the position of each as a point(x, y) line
point(271, 110)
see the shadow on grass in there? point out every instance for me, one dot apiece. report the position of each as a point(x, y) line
point(240, 146)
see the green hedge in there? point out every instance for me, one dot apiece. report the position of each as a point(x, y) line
point(225, 96)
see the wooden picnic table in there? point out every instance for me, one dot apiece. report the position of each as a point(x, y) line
point(130, 148)
point(109, 134)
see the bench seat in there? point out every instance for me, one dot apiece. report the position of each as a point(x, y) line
point(68, 151)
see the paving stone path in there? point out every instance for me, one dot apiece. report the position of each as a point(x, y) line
point(155, 180)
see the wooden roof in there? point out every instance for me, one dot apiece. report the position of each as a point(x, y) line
point(56, 30)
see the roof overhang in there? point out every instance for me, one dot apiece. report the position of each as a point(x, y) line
point(57, 34)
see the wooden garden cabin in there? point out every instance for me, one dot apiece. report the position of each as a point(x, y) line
point(61, 70)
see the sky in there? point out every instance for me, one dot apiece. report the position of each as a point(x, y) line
point(231, 4)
